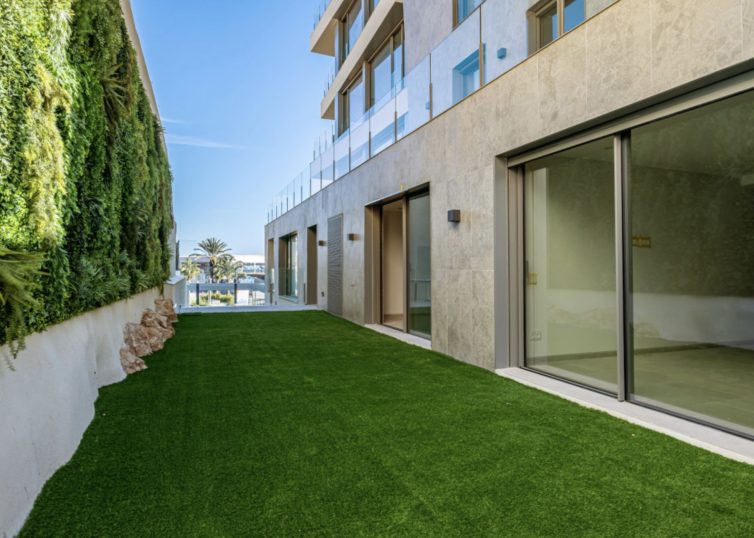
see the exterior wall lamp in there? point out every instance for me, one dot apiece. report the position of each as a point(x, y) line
point(352, 237)
point(322, 243)
point(454, 216)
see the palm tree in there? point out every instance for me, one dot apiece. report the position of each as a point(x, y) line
point(214, 249)
point(190, 269)
point(228, 268)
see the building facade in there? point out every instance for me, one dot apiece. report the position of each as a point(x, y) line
point(565, 186)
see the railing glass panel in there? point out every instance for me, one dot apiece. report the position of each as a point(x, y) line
point(342, 155)
point(382, 125)
point(455, 65)
point(504, 36)
point(328, 166)
point(412, 101)
point(315, 175)
point(360, 142)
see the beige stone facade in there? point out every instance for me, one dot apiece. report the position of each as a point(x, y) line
point(628, 56)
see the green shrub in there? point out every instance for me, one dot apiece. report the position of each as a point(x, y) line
point(85, 184)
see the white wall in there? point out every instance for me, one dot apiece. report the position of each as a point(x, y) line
point(47, 403)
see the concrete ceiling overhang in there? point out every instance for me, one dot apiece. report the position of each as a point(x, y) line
point(386, 16)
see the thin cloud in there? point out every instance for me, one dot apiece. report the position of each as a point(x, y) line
point(196, 142)
point(173, 121)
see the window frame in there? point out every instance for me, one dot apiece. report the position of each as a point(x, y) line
point(535, 14)
point(456, 14)
point(390, 40)
point(345, 40)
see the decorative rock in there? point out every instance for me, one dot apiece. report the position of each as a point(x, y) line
point(136, 339)
point(142, 339)
point(152, 320)
point(166, 308)
point(130, 362)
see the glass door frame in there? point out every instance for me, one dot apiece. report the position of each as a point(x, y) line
point(512, 240)
point(407, 249)
point(621, 148)
point(377, 310)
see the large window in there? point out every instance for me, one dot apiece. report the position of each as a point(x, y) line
point(353, 24)
point(553, 18)
point(381, 74)
point(386, 68)
point(356, 98)
point(679, 333)
point(288, 259)
point(353, 105)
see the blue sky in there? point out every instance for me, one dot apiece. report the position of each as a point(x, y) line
point(239, 94)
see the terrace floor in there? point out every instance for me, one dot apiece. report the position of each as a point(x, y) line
point(298, 423)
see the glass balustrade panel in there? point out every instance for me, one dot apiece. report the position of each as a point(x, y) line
point(455, 65)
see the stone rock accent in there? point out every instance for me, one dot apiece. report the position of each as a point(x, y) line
point(142, 339)
point(130, 362)
point(166, 308)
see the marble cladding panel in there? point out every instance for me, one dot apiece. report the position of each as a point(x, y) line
point(562, 82)
point(440, 298)
point(618, 56)
point(747, 26)
point(483, 312)
point(460, 315)
point(692, 38)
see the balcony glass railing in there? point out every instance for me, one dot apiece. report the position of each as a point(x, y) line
point(489, 42)
point(321, 8)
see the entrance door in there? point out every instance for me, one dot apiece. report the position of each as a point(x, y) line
point(393, 261)
point(405, 265)
point(311, 265)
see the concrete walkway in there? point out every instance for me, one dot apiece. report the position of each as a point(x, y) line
point(237, 309)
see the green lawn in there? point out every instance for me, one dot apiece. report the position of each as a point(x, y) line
point(289, 424)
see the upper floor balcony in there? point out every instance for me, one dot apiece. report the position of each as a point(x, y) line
point(351, 31)
point(491, 39)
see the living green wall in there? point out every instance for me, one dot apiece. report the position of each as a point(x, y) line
point(85, 185)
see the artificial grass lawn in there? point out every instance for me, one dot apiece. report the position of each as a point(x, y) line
point(284, 424)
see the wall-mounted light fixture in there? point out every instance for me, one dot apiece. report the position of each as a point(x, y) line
point(502, 53)
point(322, 243)
point(352, 237)
point(454, 215)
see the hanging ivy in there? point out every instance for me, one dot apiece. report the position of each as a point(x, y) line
point(85, 185)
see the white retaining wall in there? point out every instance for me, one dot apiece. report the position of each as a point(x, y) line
point(47, 403)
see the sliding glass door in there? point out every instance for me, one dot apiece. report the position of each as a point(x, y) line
point(681, 337)
point(692, 263)
point(419, 267)
point(570, 265)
